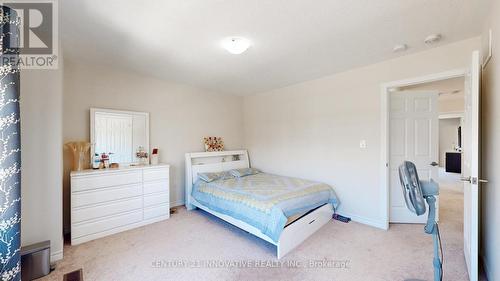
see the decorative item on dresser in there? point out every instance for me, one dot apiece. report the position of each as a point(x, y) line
point(154, 157)
point(79, 151)
point(104, 202)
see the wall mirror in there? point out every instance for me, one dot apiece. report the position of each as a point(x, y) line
point(121, 134)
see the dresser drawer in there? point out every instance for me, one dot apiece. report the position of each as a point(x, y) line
point(82, 229)
point(154, 174)
point(90, 197)
point(157, 211)
point(156, 199)
point(97, 211)
point(104, 202)
point(105, 180)
point(156, 186)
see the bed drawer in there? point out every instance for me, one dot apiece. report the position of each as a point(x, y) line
point(153, 174)
point(156, 186)
point(97, 211)
point(318, 215)
point(157, 211)
point(106, 180)
point(90, 197)
point(156, 199)
point(82, 229)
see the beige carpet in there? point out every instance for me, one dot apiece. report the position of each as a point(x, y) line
point(150, 253)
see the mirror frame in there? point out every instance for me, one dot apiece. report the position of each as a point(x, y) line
point(94, 110)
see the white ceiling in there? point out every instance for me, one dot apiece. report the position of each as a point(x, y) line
point(293, 40)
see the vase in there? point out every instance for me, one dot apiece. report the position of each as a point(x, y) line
point(79, 151)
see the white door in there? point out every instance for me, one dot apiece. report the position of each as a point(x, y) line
point(471, 167)
point(414, 137)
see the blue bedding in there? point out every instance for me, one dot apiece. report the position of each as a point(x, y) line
point(264, 201)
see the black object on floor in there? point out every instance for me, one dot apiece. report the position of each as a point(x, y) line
point(76, 275)
point(341, 218)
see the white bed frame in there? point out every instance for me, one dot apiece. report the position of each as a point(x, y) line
point(293, 234)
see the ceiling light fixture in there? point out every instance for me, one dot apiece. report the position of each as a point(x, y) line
point(433, 38)
point(400, 48)
point(236, 45)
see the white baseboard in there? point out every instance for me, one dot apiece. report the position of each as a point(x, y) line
point(370, 222)
point(55, 256)
point(176, 203)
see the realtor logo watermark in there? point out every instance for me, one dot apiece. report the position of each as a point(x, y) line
point(38, 34)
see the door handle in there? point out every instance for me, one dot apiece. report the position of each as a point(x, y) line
point(473, 180)
point(434, 164)
point(466, 179)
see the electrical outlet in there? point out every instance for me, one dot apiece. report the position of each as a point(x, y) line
point(362, 144)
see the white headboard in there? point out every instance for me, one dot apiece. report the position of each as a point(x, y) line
point(203, 162)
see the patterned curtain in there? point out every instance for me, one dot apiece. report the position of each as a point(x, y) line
point(10, 153)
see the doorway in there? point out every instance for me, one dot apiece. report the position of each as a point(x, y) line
point(470, 168)
point(413, 136)
point(407, 84)
point(447, 154)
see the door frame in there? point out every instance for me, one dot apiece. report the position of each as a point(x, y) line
point(385, 131)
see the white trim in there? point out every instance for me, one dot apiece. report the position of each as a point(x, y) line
point(384, 127)
point(490, 50)
point(176, 203)
point(427, 78)
point(217, 153)
point(366, 221)
point(451, 115)
point(56, 256)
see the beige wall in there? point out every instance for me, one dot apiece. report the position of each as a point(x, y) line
point(490, 233)
point(313, 129)
point(451, 105)
point(179, 115)
point(41, 158)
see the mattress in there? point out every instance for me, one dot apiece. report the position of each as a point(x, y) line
point(265, 201)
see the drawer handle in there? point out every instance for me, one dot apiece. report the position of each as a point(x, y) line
point(312, 221)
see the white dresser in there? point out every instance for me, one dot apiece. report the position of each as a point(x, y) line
point(104, 202)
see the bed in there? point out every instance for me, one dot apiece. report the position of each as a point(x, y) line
point(283, 211)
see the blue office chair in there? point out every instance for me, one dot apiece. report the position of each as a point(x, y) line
point(415, 191)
